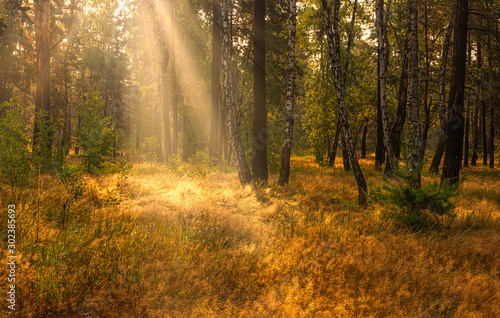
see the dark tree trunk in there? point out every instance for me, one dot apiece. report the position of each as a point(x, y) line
point(363, 143)
point(379, 150)
point(333, 154)
point(290, 95)
point(345, 156)
point(455, 120)
point(484, 131)
point(436, 160)
point(414, 141)
point(42, 70)
point(467, 124)
point(259, 144)
point(427, 105)
point(333, 38)
point(397, 127)
point(244, 173)
point(216, 59)
point(475, 131)
point(492, 136)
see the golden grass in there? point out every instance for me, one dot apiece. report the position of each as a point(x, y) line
point(162, 243)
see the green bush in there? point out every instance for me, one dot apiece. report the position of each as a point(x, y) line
point(96, 136)
point(14, 143)
point(424, 208)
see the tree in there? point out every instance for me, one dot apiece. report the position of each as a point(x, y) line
point(390, 169)
point(414, 141)
point(339, 79)
point(436, 160)
point(42, 67)
point(259, 144)
point(290, 96)
point(455, 119)
point(244, 173)
point(216, 57)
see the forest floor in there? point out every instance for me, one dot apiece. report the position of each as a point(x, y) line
point(189, 241)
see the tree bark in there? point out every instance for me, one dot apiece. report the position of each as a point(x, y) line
point(455, 119)
point(427, 105)
point(492, 136)
point(414, 141)
point(159, 150)
point(244, 173)
point(165, 103)
point(216, 59)
point(259, 144)
point(345, 156)
point(42, 70)
point(390, 168)
point(436, 160)
point(397, 127)
point(467, 126)
point(333, 154)
point(173, 70)
point(290, 95)
point(475, 132)
point(363, 142)
point(484, 131)
point(334, 50)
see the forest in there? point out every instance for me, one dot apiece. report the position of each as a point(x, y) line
point(249, 158)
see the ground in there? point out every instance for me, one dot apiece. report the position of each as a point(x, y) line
point(189, 241)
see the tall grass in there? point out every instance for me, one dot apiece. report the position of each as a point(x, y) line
point(188, 241)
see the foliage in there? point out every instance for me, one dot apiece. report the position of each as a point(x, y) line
point(150, 144)
point(421, 208)
point(14, 143)
point(96, 135)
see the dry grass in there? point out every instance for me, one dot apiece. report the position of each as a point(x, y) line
point(191, 242)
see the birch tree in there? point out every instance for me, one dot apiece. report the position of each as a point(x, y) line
point(290, 88)
point(414, 141)
point(244, 173)
point(333, 38)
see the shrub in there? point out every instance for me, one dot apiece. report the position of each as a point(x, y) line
point(14, 143)
point(424, 208)
point(96, 134)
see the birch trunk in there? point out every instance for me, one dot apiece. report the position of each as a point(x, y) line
point(390, 169)
point(290, 85)
point(436, 160)
point(334, 50)
point(244, 173)
point(414, 141)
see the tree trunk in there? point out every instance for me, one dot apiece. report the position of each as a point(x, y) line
point(436, 160)
point(475, 132)
point(244, 173)
point(259, 144)
point(390, 168)
point(467, 124)
point(216, 59)
point(397, 127)
point(42, 137)
point(455, 120)
point(173, 70)
point(379, 150)
point(159, 150)
point(492, 136)
point(333, 154)
point(484, 131)
point(165, 103)
point(414, 141)
point(363, 143)
point(334, 50)
point(427, 104)
point(290, 85)
point(345, 156)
